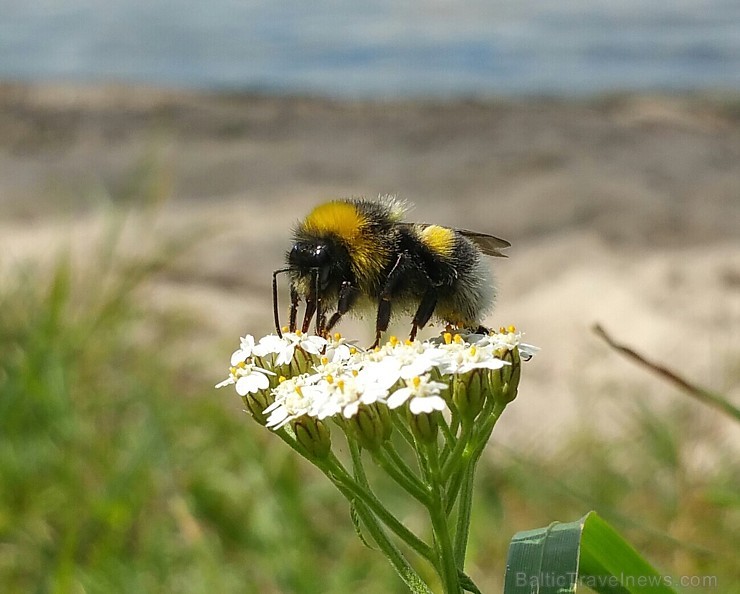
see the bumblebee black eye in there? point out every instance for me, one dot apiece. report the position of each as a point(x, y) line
point(308, 255)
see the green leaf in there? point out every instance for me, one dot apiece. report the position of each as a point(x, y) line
point(589, 552)
point(358, 527)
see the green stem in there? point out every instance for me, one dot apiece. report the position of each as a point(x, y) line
point(448, 434)
point(402, 429)
point(453, 489)
point(462, 528)
point(365, 501)
point(469, 461)
point(339, 476)
point(357, 467)
point(447, 566)
point(388, 459)
point(453, 460)
point(396, 558)
point(451, 441)
point(485, 432)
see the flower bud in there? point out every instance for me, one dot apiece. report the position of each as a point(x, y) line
point(469, 393)
point(496, 382)
point(313, 435)
point(508, 382)
point(256, 403)
point(372, 426)
point(424, 426)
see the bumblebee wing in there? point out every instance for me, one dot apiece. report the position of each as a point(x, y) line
point(488, 244)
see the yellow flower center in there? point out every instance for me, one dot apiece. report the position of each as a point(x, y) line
point(447, 337)
point(416, 381)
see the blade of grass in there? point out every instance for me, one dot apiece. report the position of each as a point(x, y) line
point(701, 394)
point(554, 560)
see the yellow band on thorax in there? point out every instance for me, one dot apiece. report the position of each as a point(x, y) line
point(338, 218)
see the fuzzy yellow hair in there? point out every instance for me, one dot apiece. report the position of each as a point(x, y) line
point(351, 225)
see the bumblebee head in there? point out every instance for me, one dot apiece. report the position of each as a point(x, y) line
point(308, 255)
point(321, 257)
point(311, 257)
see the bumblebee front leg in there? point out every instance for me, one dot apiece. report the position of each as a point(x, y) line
point(310, 310)
point(294, 300)
point(320, 318)
point(347, 296)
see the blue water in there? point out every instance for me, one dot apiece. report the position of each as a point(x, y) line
point(378, 48)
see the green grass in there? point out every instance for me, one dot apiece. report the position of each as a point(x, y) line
point(123, 470)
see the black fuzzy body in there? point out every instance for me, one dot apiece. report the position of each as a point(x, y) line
point(391, 265)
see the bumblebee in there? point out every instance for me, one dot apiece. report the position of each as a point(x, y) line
point(353, 253)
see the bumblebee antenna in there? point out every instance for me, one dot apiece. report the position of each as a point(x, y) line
point(275, 308)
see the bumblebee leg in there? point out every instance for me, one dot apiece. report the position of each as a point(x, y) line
point(320, 313)
point(347, 296)
point(424, 311)
point(294, 299)
point(382, 321)
point(320, 319)
point(384, 303)
point(310, 310)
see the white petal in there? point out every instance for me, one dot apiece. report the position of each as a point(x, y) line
point(238, 356)
point(493, 364)
point(286, 355)
point(227, 382)
point(385, 373)
point(436, 386)
point(313, 344)
point(426, 405)
point(399, 397)
point(351, 409)
point(278, 417)
point(339, 353)
point(247, 342)
point(262, 370)
point(373, 393)
point(328, 409)
point(527, 351)
point(261, 381)
point(272, 407)
point(251, 383)
point(269, 344)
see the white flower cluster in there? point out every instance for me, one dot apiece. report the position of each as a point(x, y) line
point(333, 377)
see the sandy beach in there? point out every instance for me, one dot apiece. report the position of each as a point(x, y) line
point(622, 210)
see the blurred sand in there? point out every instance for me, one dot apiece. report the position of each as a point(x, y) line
point(621, 210)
